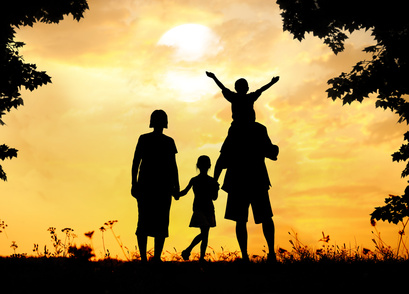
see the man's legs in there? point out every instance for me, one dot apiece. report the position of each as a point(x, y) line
point(269, 231)
point(241, 233)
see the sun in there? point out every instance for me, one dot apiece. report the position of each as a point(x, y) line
point(191, 42)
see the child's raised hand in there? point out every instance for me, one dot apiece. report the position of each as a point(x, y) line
point(210, 74)
point(275, 79)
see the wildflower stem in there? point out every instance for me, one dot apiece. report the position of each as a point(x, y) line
point(103, 244)
point(110, 224)
point(119, 243)
point(401, 233)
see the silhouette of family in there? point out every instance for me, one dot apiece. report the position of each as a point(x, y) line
point(155, 178)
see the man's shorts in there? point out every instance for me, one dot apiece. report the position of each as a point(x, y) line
point(238, 203)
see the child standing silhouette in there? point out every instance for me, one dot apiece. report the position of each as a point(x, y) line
point(206, 190)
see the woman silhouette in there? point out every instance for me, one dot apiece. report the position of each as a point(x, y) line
point(154, 180)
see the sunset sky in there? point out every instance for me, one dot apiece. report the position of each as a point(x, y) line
point(76, 136)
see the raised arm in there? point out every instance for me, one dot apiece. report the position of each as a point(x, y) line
point(216, 80)
point(265, 87)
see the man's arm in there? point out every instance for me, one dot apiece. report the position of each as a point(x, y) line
point(218, 169)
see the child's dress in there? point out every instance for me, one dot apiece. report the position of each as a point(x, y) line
point(206, 190)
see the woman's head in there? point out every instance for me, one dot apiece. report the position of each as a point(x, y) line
point(241, 86)
point(159, 119)
point(203, 162)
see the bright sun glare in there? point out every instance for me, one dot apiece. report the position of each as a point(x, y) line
point(190, 43)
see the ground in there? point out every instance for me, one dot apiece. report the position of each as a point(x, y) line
point(62, 275)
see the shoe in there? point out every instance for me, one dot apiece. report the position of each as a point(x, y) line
point(185, 254)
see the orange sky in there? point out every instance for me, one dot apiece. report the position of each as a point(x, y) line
point(76, 136)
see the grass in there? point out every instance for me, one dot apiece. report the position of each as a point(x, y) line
point(65, 268)
point(67, 275)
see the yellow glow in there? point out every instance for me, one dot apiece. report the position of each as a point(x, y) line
point(191, 41)
point(76, 136)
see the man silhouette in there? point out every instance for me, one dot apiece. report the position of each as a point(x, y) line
point(243, 155)
point(247, 183)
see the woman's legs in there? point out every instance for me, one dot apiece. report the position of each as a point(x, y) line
point(142, 242)
point(159, 242)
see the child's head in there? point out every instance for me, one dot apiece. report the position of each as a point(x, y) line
point(159, 119)
point(203, 163)
point(241, 86)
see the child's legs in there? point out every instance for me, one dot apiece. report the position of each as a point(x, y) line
point(204, 232)
point(202, 237)
point(195, 241)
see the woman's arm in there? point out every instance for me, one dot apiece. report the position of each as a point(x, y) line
point(175, 173)
point(135, 169)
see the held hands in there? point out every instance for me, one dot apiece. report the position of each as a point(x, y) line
point(176, 193)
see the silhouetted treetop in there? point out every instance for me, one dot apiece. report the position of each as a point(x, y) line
point(14, 72)
point(385, 73)
point(329, 20)
point(27, 12)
